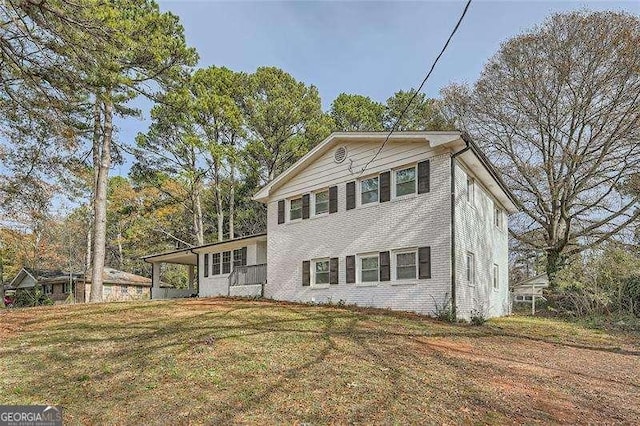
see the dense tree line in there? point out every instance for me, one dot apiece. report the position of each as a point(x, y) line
point(557, 109)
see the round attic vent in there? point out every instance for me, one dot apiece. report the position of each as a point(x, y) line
point(340, 154)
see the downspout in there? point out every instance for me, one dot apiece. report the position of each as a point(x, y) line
point(453, 223)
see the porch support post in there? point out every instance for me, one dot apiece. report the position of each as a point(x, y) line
point(191, 277)
point(155, 280)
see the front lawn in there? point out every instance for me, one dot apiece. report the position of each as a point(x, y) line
point(232, 361)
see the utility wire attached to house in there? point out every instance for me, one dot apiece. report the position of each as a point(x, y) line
point(395, 124)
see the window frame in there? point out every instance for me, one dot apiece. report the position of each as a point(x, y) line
point(313, 272)
point(371, 203)
point(495, 279)
point(471, 190)
point(359, 259)
point(206, 267)
point(289, 202)
point(228, 263)
point(216, 271)
point(124, 289)
point(139, 290)
point(394, 182)
point(471, 269)
point(498, 216)
point(394, 263)
point(47, 289)
point(66, 285)
point(315, 202)
point(237, 251)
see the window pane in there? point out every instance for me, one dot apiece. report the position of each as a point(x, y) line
point(322, 202)
point(369, 263)
point(322, 278)
point(369, 189)
point(295, 211)
point(322, 266)
point(405, 181)
point(404, 272)
point(369, 276)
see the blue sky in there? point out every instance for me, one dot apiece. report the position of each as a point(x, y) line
point(369, 48)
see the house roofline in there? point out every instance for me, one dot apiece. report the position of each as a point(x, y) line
point(192, 250)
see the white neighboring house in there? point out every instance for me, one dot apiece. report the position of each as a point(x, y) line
point(425, 224)
point(526, 290)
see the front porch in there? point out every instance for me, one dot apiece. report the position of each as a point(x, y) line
point(229, 268)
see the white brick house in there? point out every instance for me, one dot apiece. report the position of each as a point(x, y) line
point(384, 237)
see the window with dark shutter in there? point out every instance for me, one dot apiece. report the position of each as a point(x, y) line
point(305, 206)
point(306, 273)
point(424, 259)
point(281, 211)
point(385, 187)
point(215, 264)
point(226, 262)
point(351, 195)
point(333, 270)
point(333, 199)
point(351, 269)
point(244, 256)
point(385, 266)
point(206, 264)
point(424, 177)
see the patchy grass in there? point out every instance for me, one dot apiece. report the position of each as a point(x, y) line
point(220, 361)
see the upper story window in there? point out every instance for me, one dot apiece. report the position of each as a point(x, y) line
point(369, 268)
point(369, 190)
point(471, 268)
point(295, 209)
point(405, 180)
point(497, 216)
point(321, 271)
point(406, 264)
point(471, 190)
point(321, 202)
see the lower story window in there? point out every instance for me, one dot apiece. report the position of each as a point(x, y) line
point(321, 271)
point(48, 289)
point(369, 268)
point(139, 290)
point(106, 290)
point(66, 288)
point(226, 262)
point(124, 289)
point(406, 265)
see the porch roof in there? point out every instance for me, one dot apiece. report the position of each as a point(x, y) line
point(189, 256)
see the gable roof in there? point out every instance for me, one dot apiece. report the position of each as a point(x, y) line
point(540, 280)
point(455, 141)
point(109, 276)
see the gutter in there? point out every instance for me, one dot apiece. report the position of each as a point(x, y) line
point(453, 223)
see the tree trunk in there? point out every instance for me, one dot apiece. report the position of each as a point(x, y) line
point(219, 206)
point(100, 205)
point(1, 276)
point(197, 218)
point(232, 200)
point(87, 258)
point(555, 262)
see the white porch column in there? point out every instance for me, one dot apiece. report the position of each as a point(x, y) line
point(155, 280)
point(191, 277)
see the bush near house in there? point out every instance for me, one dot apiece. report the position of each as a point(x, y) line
point(222, 361)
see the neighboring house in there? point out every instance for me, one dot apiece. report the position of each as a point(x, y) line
point(526, 290)
point(68, 287)
point(413, 223)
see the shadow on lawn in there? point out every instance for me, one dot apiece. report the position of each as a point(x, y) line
point(133, 342)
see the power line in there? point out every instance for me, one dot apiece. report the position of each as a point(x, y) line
point(395, 125)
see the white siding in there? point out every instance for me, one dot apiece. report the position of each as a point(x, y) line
point(421, 220)
point(218, 285)
point(476, 233)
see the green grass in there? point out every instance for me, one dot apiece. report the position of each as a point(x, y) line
point(220, 361)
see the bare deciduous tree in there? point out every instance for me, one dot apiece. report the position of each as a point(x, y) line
point(558, 109)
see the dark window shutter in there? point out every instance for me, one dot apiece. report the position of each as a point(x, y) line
point(385, 266)
point(305, 206)
point(333, 199)
point(243, 255)
point(424, 259)
point(351, 269)
point(424, 177)
point(206, 264)
point(385, 186)
point(333, 270)
point(306, 273)
point(281, 211)
point(351, 195)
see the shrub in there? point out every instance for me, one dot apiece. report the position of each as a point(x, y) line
point(443, 311)
point(33, 297)
point(478, 317)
